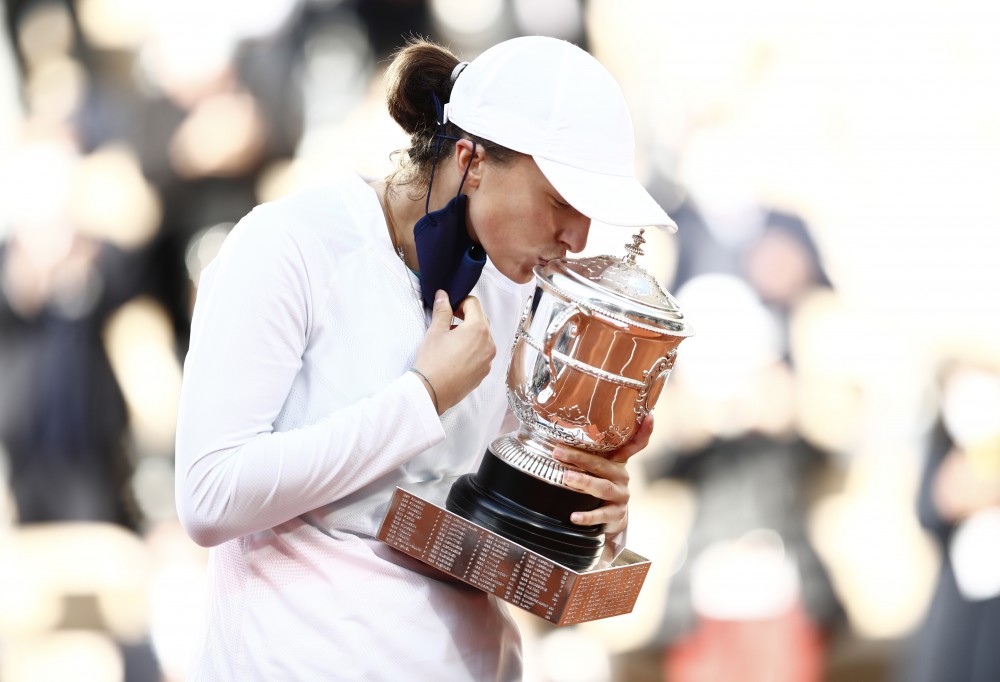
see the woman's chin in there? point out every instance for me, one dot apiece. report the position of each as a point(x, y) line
point(519, 274)
point(522, 277)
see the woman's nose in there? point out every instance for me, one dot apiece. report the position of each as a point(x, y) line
point(574, 232)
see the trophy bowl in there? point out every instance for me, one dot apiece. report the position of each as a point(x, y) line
point(594, 349)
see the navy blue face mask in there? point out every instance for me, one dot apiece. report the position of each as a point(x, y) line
point(446, 254)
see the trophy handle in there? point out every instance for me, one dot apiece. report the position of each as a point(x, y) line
point(554, 332)
point(654, 379)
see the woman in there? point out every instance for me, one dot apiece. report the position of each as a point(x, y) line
point(318, 379)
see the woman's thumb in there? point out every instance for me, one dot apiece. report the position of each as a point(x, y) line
point(442, 313)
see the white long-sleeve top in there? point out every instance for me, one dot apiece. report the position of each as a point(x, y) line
point(297, 419)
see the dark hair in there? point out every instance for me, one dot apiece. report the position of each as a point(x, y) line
point(418, 71)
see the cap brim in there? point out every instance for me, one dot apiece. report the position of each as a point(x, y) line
point(610, 199)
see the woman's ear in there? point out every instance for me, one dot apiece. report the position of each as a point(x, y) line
point(471, 156)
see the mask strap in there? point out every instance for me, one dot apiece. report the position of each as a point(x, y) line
point(438, 137)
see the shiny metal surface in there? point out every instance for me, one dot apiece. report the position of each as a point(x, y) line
point(594, 350)
point(616, 289)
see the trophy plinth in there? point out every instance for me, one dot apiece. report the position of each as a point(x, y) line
point(417, 524)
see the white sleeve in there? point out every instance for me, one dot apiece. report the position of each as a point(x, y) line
point(251, 323)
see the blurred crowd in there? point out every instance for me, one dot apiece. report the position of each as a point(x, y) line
point(821, 500)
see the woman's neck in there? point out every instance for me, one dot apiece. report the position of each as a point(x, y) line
point(401, 214)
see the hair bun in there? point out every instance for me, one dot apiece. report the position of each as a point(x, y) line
point(418, 71)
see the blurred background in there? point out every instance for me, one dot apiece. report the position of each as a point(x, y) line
point(822, 497)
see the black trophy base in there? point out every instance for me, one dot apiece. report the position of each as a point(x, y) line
point(529, 511)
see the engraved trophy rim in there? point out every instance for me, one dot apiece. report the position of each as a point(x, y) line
point(617, 289)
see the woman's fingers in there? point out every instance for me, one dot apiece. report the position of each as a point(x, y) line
point(639, 441)
point(604, 476)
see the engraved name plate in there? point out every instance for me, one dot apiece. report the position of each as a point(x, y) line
point(427, 531)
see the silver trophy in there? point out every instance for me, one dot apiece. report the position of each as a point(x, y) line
point(595, 347)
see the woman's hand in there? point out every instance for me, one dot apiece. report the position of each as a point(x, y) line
point(455, 360)
point(605, 478)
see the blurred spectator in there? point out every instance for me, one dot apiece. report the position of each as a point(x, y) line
point(208, 100)
point(771, 248)
point(63, 419)
point(724, 229)
point(959, 503)
point(752, 599)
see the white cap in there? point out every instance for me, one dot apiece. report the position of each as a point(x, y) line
point(555, 102)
